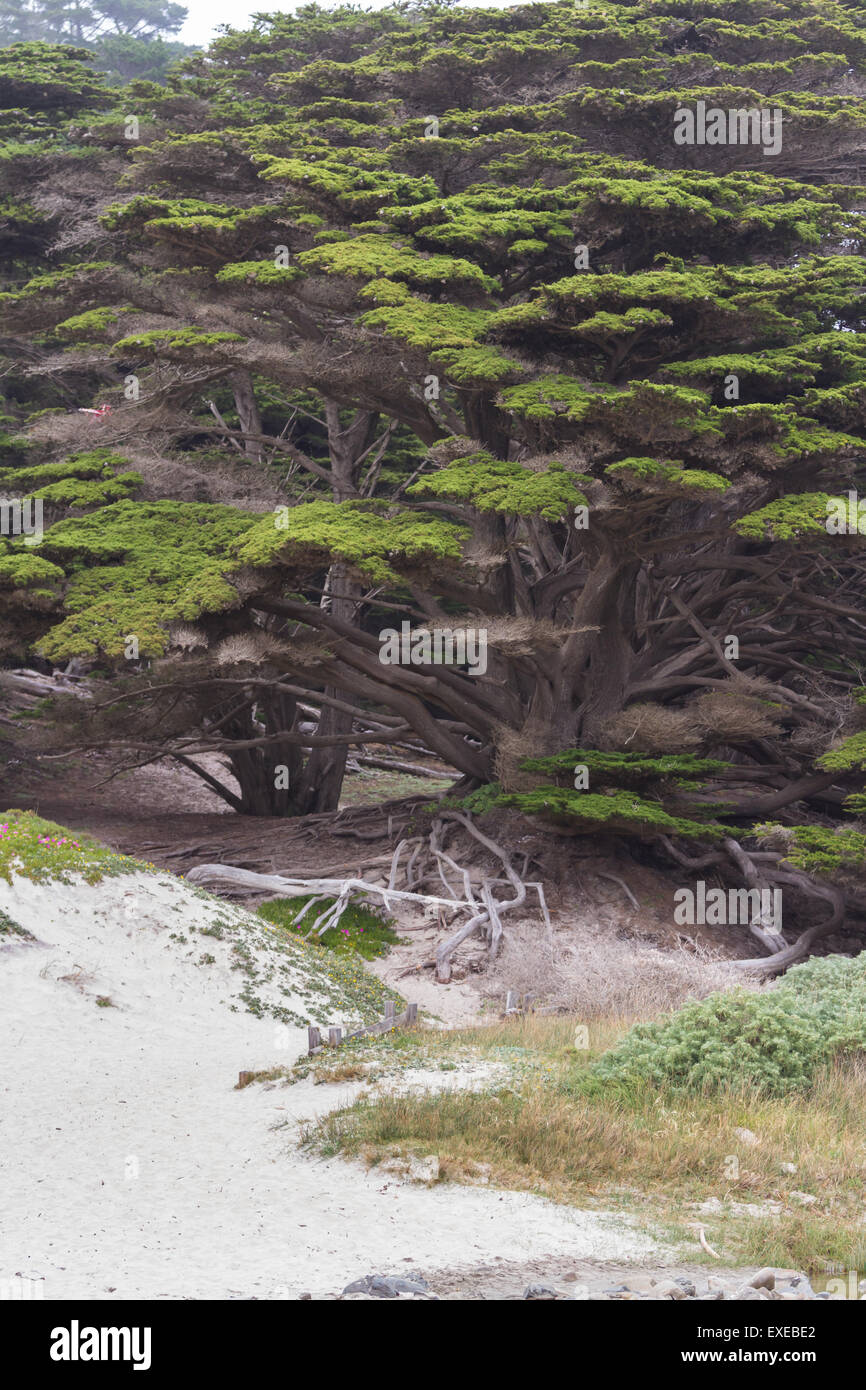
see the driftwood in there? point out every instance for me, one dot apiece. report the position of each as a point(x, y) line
point(223, 876)
point(23, 686)
point(415, 862)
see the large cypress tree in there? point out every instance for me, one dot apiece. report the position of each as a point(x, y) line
point(519, 320)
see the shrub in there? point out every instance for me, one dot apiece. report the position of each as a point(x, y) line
point(773, 1041)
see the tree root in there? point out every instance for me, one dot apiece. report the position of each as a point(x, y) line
point(762, 871)
point(476, 898)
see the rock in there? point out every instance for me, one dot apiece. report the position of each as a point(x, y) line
point(385, 1286)
point(715, 1294)
point(746, 1292)
point(800, 1286)
point(764, 1279)
point(543, 1292)
point(305, 1296)
point(686, 1285)
point(803, 1199)
point(788, 1167)
point(570, 1278)
point(747, 1136)
point(861, 1287)
point(641, 1283)
point(670, 1289)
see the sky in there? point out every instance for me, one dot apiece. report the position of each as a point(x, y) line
point(205, 15)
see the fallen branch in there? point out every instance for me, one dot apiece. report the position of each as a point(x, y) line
point(223, 876)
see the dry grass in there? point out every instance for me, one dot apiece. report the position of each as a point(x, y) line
point(658, 1154)
point(345, 1071)
point(597, 976)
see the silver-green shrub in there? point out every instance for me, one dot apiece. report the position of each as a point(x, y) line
point(773, 1041)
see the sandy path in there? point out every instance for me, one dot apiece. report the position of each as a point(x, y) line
point(130, 1167)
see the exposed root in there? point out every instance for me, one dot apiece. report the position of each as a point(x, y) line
point(763, 871)
point(473, 894)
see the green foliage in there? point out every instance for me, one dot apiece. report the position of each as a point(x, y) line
point(49, 77)
point(22, 569)
point(379, 545)
point(188, 344)
point(627, 769)
point(773, 1041)
point(33, 848)
point(378, 257)
point(850, 755)
point(787, 518)
point(614, 810)
point(668, 474)
point(624, 812)
point(258, 273)
point(360, 931)
point(94, 325)
point(818, 849)
point(133, 568)
point(76, 492)
point(492, 485)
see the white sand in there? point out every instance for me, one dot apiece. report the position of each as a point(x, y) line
point(131, 1168)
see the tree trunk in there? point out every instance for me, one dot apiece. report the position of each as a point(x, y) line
point(248, 412)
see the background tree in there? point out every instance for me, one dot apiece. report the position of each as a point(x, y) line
point(127, 37)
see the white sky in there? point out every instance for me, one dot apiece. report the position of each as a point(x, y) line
point(205, 15)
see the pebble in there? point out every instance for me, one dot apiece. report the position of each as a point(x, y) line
point(387, 1286)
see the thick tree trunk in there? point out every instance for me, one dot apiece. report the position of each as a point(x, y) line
point(322, 780)
point(270, 777)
